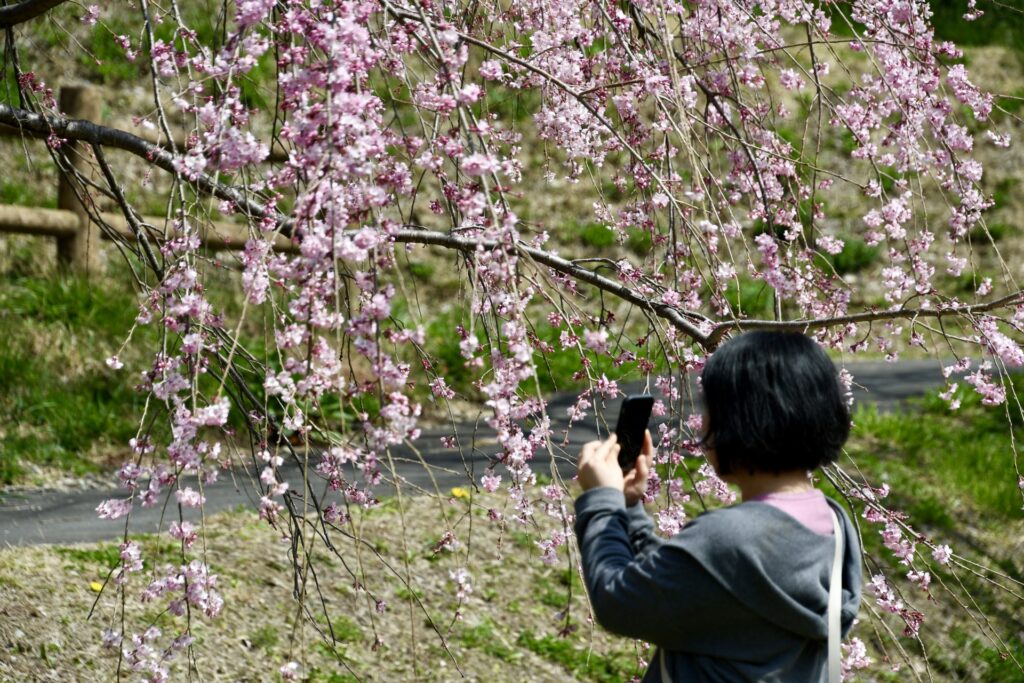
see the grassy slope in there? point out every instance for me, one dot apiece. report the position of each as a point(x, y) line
point(61, 406)
point(955, 475)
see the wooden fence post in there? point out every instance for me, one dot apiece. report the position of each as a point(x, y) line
point(79, 252)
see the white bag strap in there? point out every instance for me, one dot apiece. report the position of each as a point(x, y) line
point(835, 603)
point(665, 677)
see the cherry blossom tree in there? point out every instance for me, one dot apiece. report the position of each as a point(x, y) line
point(720, 135)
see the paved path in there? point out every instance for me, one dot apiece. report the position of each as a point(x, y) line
point(62, 517)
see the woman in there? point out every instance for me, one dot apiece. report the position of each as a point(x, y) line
point(741, 593)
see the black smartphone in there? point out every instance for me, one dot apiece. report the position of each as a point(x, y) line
point(634, 415)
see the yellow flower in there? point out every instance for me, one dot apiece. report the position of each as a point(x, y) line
point(96, 586)
point(460, 492)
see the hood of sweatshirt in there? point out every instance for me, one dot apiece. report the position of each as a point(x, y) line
point(774, 565)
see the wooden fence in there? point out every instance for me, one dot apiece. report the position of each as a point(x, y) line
point(78, 236)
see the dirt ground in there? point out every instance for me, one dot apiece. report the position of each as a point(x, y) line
point(46, 594)
point(511, 627)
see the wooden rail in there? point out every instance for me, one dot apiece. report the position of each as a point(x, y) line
point(50, 222)
point(61, 223)
point(78, 236)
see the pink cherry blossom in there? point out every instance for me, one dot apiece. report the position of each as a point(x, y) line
point(91, 15)
point(490, 482)
point(114, 508)
point(942, 554)
point(479, 164)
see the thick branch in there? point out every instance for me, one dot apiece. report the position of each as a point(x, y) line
point(683, 320)
point(23, 11)
point(95, 134)
point(721, 329)
point(469, 245)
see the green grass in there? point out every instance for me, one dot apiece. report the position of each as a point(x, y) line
point(750, 297)
point(1002, 23)
point(61, 405)
point(968, 281)
point(264, 638)
point(406, 595)
point(639, 242)
point(422, 270)
point(556, 368)
point(577, 659)
point(943, 464)
point(595, 235)
point(997, 231)
point(317, 676)
point(444, 346)
point(1004, 190)
point(105, 556)
point(484, 637)
point(952, 473)
point(1012, 104)
point(510, 104)
point(556, 594)
point(72, 302)
point(104, 60)
point(521, 540)
point(977, 660)
point(855, 256)
point(59, 399)
point(345, 630)
point(18, 193)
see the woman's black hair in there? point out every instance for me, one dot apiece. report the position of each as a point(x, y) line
point(773, 404)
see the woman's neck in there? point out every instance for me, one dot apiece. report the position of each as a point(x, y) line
point(765, 483)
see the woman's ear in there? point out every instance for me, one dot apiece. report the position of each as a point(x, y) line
point(709, 453)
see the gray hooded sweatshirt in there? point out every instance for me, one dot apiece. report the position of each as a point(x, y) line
point(740, 594)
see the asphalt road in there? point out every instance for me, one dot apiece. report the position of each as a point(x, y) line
point(57, 517)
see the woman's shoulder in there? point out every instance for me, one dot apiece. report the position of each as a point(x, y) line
point(752, 512)
point(755, 543)
point(705, 533)
point(748, 526)
point(748, 514)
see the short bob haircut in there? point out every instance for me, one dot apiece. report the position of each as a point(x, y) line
point(773, 404)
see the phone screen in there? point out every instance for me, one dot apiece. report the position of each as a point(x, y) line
point(634, 415)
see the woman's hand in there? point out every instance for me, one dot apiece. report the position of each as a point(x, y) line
point(634, 485)
point(599, 466)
